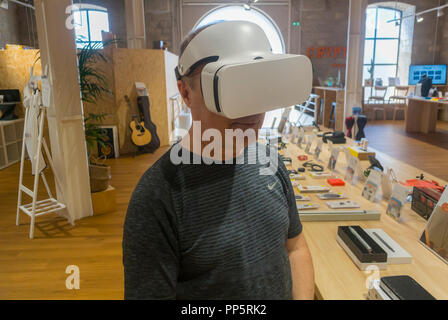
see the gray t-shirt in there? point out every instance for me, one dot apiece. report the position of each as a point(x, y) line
point(200, 231)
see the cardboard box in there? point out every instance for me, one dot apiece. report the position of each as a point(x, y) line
point(360, 154)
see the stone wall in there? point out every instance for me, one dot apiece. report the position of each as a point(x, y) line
point(442, 55)
point(162, 23)
point(323, 26)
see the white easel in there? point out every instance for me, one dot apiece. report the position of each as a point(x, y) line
point(49, 205)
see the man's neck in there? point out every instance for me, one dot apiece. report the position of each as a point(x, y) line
point(211, 143)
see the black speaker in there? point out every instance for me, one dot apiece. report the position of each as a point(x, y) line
point(110, 149)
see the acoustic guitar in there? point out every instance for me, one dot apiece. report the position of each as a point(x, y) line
point(140, 135)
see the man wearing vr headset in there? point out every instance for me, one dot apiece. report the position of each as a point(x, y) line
point(219, 231)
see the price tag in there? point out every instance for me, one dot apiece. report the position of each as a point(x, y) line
point(300, 137)
point(372, 187)
point(330, 145)
point(309, 143)
point(318, 149)
point(352, 170)
point(397, 200)
point(333, 158)
point(295, 133)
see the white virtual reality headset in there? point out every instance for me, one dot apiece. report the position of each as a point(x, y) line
point(242, 76)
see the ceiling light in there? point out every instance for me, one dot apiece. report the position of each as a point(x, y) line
point(419, 19)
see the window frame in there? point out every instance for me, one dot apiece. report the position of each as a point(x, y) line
point(257, 11)
point(89, 42)
point(375, 38)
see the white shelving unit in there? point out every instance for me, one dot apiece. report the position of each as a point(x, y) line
point(11, 136)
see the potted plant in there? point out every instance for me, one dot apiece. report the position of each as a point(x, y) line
point(99, 172)
point(93, 85)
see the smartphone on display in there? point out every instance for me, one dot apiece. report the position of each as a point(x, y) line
point(329, 196)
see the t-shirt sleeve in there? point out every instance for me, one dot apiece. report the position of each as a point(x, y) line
point(150, 247)
point(295, 226)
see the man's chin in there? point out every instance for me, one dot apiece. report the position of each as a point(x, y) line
point(246, 123)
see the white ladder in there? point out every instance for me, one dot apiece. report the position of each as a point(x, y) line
point(49, 205)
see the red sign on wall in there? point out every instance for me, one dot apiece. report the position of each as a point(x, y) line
point(327, 52)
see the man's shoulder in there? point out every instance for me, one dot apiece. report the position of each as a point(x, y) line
point(161, 174)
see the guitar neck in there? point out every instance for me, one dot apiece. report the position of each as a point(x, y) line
point(134, 116)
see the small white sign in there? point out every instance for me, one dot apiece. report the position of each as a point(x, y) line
point(397, 200)
point(295, 134)
point(333, 159)
point(352, 170)
point(310, 141)
point(318, 149)
point(372, 186)
point(300, 137)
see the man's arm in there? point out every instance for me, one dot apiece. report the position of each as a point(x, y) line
point(302, 271)
point(299, 255)
point(150, 248)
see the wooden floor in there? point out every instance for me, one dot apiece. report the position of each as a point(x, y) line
point(428, 152)
point(35, 269)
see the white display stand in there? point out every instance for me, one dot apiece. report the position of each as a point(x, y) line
point(36, 208)
point(181, 118)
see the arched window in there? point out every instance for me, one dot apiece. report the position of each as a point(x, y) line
point(382, 43)
point(89, 21)
point(239, 13)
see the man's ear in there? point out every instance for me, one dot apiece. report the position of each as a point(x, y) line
point(184, 91)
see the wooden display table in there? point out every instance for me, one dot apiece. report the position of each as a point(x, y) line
point(421, 114)
point(336, 276)
point(329, 95)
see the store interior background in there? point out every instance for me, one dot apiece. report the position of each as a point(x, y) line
point(97, 240)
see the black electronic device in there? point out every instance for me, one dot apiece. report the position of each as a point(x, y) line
point(313, 166)
point(375, 164)
point(362, 245)
point(337, 137)
point(424, 200)
point(404, 288)
point(10, 99)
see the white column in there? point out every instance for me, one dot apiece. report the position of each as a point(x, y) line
point(65, 115)
point(355, 55)
point(135, 24)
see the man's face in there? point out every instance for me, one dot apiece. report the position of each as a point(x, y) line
point(190, 90)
